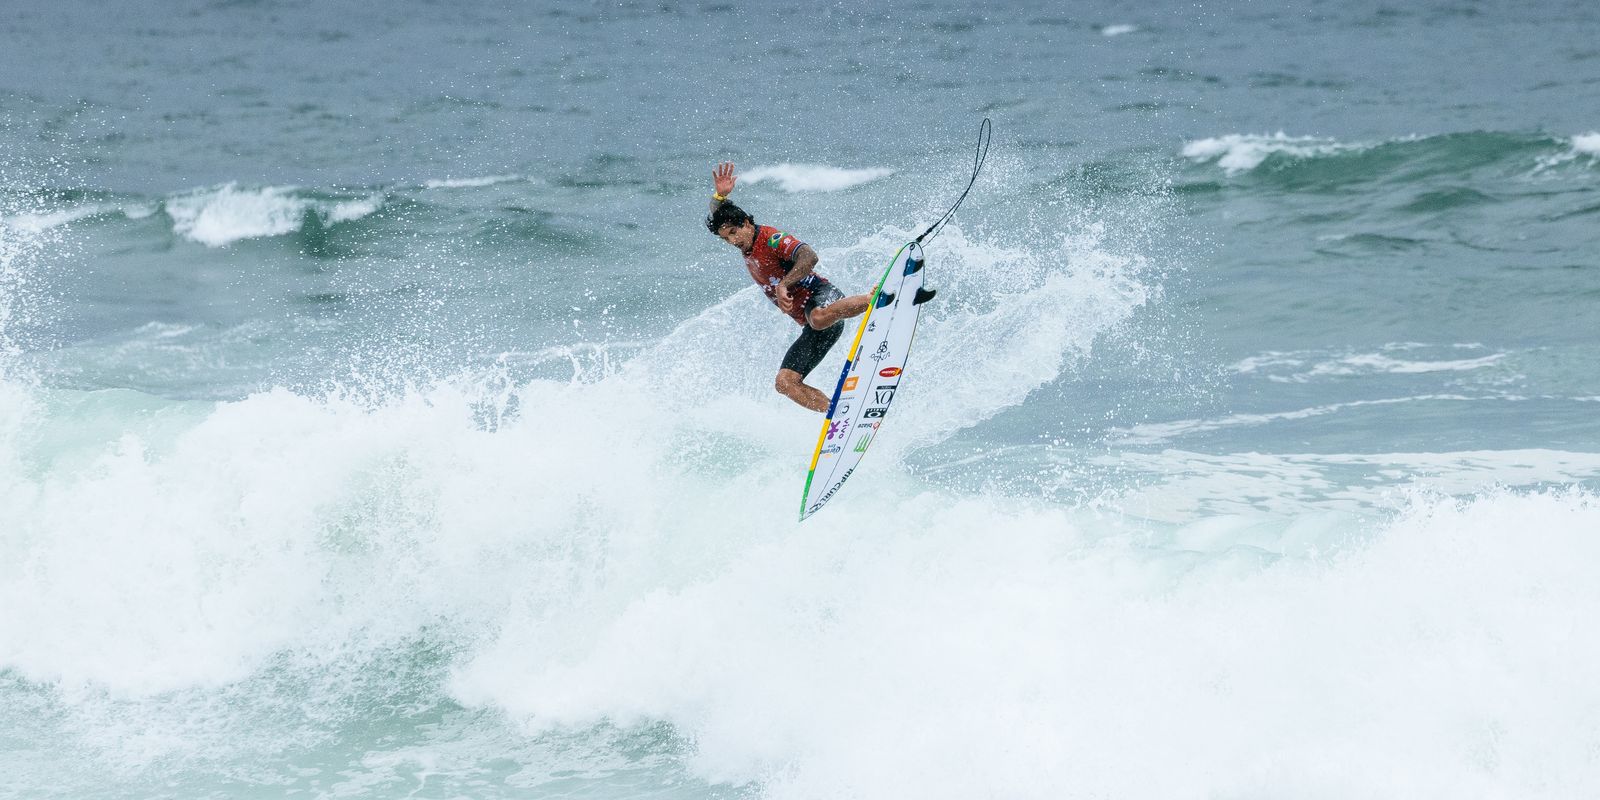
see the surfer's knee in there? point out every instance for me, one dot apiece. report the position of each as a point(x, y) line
point(788, 382)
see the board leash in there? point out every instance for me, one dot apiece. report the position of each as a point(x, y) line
point(982, 154)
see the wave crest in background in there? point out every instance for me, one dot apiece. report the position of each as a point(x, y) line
point(1242, 152)
point(796, 178)
point(226, 214)
point(1309, 161)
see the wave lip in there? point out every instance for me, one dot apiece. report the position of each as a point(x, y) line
point(1583, 144)
point(1243, 152)
point(1118, 30)
point(796, 178)
point(225, 214)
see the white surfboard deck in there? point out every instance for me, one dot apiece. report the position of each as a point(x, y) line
point(871, 376)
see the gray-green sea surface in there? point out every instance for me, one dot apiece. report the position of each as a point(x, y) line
point(378, 418)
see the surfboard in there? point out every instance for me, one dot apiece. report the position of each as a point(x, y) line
point(871, 377)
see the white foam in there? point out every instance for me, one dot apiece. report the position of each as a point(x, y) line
point(960, 649)
point(347, 210)
point(470, 183)
point(1118, 30)
point(813, 177)
point(225, 214)
point(1242, 152)
point(1587, 143)
point(942, 646)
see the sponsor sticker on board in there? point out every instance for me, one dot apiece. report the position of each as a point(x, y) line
point(888, 372)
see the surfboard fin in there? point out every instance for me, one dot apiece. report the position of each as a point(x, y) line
point(923, 296)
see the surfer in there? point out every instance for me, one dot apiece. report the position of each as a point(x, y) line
point(784, 267)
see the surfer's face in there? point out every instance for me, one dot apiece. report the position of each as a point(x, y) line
point(741, 236)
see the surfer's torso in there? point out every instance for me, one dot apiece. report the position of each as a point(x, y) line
point(770, 258)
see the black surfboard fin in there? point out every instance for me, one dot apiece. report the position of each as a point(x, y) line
point(923, 296)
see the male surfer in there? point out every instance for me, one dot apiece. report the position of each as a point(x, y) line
point(782, 266)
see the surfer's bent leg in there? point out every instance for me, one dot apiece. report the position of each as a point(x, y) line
point(803, 356)
point(833, 306)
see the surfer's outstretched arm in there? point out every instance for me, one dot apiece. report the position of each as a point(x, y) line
point(722, 181)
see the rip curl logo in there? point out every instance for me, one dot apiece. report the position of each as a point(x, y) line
point(824, 498)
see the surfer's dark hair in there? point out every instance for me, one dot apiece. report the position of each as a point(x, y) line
point(727, 214)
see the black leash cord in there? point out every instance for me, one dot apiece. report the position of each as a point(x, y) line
point(984, 132)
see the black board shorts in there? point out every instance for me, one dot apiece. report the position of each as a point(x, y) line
point(813, 345)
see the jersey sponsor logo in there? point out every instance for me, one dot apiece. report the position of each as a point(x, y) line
point(888, 372)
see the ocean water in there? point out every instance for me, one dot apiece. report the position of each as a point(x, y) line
point(377, 418)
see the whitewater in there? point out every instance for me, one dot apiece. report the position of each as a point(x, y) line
point(377, 418)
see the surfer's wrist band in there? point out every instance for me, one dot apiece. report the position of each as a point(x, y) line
point(721, 198)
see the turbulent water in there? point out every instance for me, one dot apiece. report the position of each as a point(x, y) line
point(377, 418)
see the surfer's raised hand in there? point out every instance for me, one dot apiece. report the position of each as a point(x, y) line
point(722, 178)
